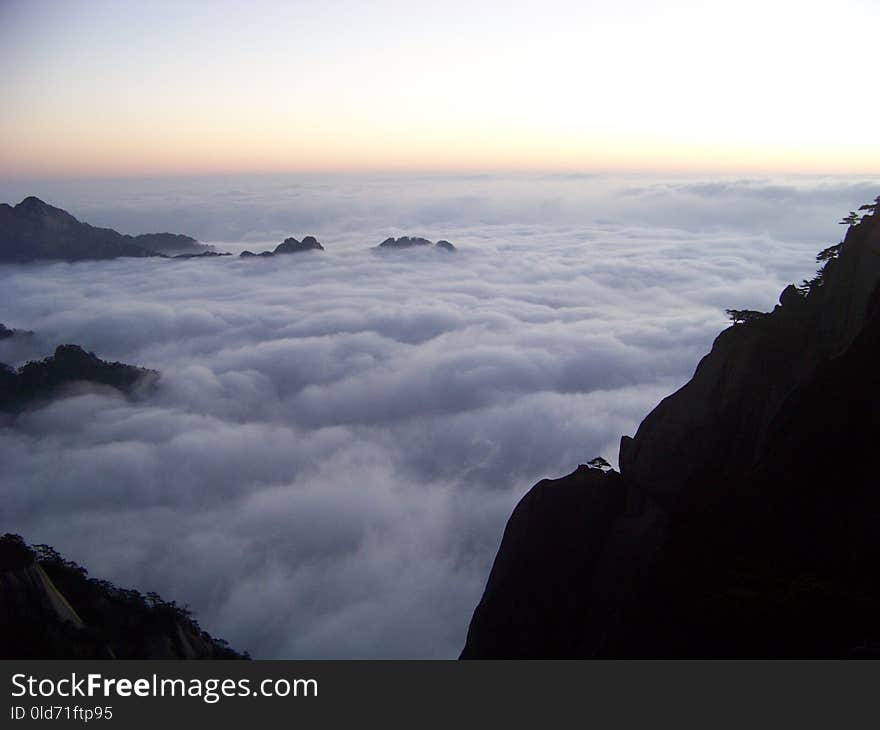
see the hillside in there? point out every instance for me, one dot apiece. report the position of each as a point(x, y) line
point(51, 609)
point(70, 366)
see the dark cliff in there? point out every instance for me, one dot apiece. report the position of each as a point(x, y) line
point(34, 230)
point(745, 520)
point(51, 609)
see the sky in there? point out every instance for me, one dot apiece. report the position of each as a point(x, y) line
point(337, 439)
point(100, 88)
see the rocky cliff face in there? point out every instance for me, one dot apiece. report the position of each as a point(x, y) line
point(717, 423)
point(51, 609)
point(745, 519)
point(34, 230)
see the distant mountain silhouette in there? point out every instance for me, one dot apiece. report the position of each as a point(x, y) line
point(202, 255)
point(745, 520)
point(42, 380)
point(175, 244)
point(51, 609)
point(34, 230)
point(7, 333)
point(289, 245)
point(413, 242)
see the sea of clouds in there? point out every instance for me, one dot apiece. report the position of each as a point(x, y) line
point(338, 438)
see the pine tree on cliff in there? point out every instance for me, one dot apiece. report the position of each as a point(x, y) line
point(872, 207)
point(742, 316)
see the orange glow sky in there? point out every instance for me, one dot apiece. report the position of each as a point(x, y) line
point(151, 88)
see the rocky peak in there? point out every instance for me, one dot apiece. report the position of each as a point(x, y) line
point(32, 204)
point(414, 242)
point(288, 245)
point(405, 242)
point(34, 230)
point(35, 209)
point(291, 245)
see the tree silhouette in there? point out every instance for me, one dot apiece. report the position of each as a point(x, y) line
point(872, 207)
point(742, 316)
point(851, 220)
point(832, 252)
point(599, 463)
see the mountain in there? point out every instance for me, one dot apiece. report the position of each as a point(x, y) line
point(289, 245)
point(175, 244)
point(34, 230)
point(413, 242)
point(6, 333)
point(41, 380)
point(745, 520)
point(51, 609)
point(202, 255)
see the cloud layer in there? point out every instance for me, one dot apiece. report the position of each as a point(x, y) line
point(370, 208)
point(338, 438)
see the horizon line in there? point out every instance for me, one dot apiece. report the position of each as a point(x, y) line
point(486, 171)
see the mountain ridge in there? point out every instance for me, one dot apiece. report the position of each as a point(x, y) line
point(33, 230)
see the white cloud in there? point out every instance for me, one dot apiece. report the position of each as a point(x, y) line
point(337, 439)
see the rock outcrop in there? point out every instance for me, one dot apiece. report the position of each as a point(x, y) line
point(42, 380)
point(289, 245)
point(51, 609)
point(744, 520)
point(34, 230)
point(413, 242)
